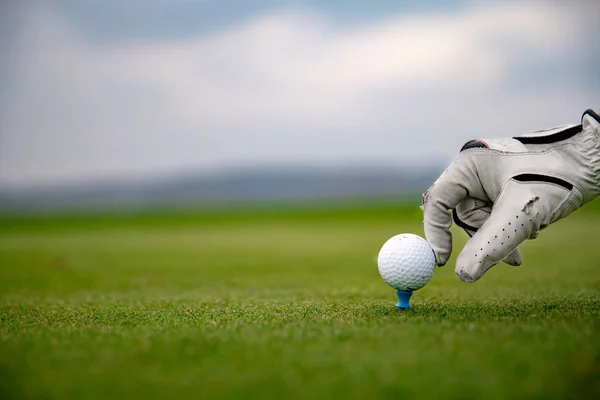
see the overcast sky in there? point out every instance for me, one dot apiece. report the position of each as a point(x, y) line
point(120, 89)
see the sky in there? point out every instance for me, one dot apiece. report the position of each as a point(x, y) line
point(101, 90)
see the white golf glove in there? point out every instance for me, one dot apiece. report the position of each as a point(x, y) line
point(502, 192)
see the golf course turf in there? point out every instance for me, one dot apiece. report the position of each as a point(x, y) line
point(285, 301)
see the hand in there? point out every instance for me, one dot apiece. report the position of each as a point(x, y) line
point(502, 192)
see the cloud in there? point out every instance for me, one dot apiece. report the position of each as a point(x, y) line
point(288, 87)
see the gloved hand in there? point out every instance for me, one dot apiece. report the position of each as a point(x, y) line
point(502, 192)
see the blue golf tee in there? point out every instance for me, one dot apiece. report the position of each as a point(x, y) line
point(403, 298)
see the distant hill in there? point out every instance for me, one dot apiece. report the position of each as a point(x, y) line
point(252, 184)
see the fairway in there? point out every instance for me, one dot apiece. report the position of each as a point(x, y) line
point(286, 302)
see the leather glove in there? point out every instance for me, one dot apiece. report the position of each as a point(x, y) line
point(504, 191)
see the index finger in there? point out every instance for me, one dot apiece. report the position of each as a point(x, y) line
point(445, 193)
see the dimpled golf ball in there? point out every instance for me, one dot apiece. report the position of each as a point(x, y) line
point(406, 262)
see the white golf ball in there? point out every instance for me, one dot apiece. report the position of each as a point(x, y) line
point(406, 262)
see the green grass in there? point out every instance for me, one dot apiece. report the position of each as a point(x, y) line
point(286, 303)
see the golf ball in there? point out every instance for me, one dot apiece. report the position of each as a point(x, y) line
point(406, 262)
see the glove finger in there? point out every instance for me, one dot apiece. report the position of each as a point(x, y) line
point(521, 210)
point(446, 192)
point(470, 214)
point(514, 259)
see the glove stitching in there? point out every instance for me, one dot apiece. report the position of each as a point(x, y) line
point(563, 177)
point(518, 154)
point(543, 182)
